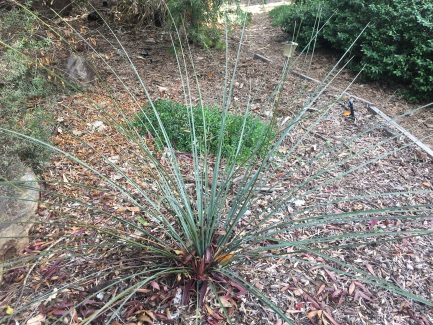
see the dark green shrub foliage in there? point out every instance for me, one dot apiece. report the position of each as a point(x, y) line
point(174, 117)
point(396, 47)
point(199, 17)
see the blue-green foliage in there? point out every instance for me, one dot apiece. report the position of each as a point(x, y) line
point(174, 116)
point(396, 47)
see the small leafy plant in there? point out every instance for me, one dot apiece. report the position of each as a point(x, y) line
point(126, 232)
point(257, 135)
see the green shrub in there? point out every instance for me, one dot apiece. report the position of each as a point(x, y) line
point(141, 12)
point(198, 17)
point(396, 47)
point(176, 120)
point(22, 80)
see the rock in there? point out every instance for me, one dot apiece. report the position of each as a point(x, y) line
point(79, 70)
point(299, 203)
point(16, 214)
point(97, 126)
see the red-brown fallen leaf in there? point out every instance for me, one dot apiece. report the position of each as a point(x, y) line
point(59, 312)
point(373, 223)
point(331, 275)
point(360, 294)
point(287, 287)
point(155, 285)
point(370, 269)
point(322, 287)
point(241, 289)
point(424, 319)
point(363, 287)
point(336, 294)
point(331, 319)
point(312, 300)
point(340, 302)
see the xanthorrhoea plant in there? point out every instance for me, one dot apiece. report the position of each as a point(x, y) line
point(122, 226)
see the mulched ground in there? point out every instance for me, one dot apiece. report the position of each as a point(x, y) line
point(302, 291)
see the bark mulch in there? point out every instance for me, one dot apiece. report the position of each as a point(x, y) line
point(309, 294)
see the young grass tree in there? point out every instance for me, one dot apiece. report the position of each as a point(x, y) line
point(128, 231)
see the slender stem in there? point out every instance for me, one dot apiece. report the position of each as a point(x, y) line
point(285, 71)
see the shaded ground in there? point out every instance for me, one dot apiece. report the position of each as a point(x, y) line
point(297, 288)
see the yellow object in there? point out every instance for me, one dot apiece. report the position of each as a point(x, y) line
point(9, 310)
point(223, 259)
point(346, 113)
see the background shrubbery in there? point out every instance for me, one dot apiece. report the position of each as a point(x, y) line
point(20, 81)
point(200, 18)
point(397, 46)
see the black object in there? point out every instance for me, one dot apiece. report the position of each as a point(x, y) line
point(94, 16)
point(351, 108)
point(158, 19)
point(105, 3)
point(144, 53)
point(352, 111)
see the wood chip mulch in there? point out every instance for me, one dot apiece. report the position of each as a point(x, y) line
point(308, 293)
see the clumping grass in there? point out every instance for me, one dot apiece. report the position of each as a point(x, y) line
point(248, 132)
point(122, 227)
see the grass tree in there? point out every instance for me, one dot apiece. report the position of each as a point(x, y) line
point(126, 221)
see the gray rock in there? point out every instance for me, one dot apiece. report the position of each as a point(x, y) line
point(18, 206)
point(80, 70)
